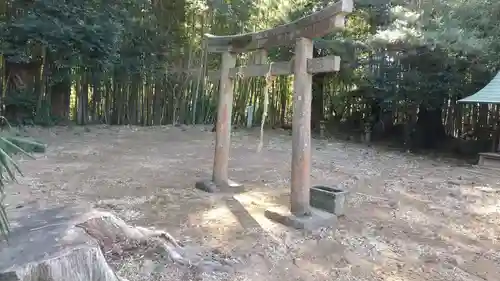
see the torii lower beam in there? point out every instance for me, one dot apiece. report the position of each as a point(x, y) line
point(314, 66)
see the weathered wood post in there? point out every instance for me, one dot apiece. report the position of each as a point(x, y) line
point(223, 125)
point(301, 129)
point(220, 177)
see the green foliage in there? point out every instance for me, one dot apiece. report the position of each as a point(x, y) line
point(402, 52)
point(9, 146)
point(22, 109)
point(406, 52)
point(78, 32)
point(418, 52)
point(24, 100)
point(96, 34)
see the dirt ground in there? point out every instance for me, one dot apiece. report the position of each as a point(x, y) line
point(409, 217)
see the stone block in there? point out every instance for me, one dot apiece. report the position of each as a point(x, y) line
point(206, 185)
point(211, 187)
point(317, 219)
point(330, 199)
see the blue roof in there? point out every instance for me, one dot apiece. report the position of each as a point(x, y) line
point(489, 94)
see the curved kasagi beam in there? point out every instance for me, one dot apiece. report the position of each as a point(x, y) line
point(315, 25)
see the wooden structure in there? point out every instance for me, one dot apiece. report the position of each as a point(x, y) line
point(490, 94)
point(300, 32)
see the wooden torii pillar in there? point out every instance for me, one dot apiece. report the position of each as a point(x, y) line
point(300, 33)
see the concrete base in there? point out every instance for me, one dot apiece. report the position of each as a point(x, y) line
point(211, 187)
point(317, 219)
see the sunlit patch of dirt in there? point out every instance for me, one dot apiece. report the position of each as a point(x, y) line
point(409, 217)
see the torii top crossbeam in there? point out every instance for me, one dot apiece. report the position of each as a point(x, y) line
point(312, 26)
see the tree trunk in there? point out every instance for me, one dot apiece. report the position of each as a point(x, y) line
point(283, 99)
point(83, 99)
point(317, 111)
point(158, 101)
point(429, 131)
point(60, 96)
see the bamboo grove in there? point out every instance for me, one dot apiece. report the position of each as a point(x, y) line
point(405, 63)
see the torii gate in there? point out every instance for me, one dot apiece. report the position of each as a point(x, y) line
point(299, 32)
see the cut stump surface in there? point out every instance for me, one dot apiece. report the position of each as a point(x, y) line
point(73, 243)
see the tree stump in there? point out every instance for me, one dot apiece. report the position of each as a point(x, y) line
point(72, 243)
